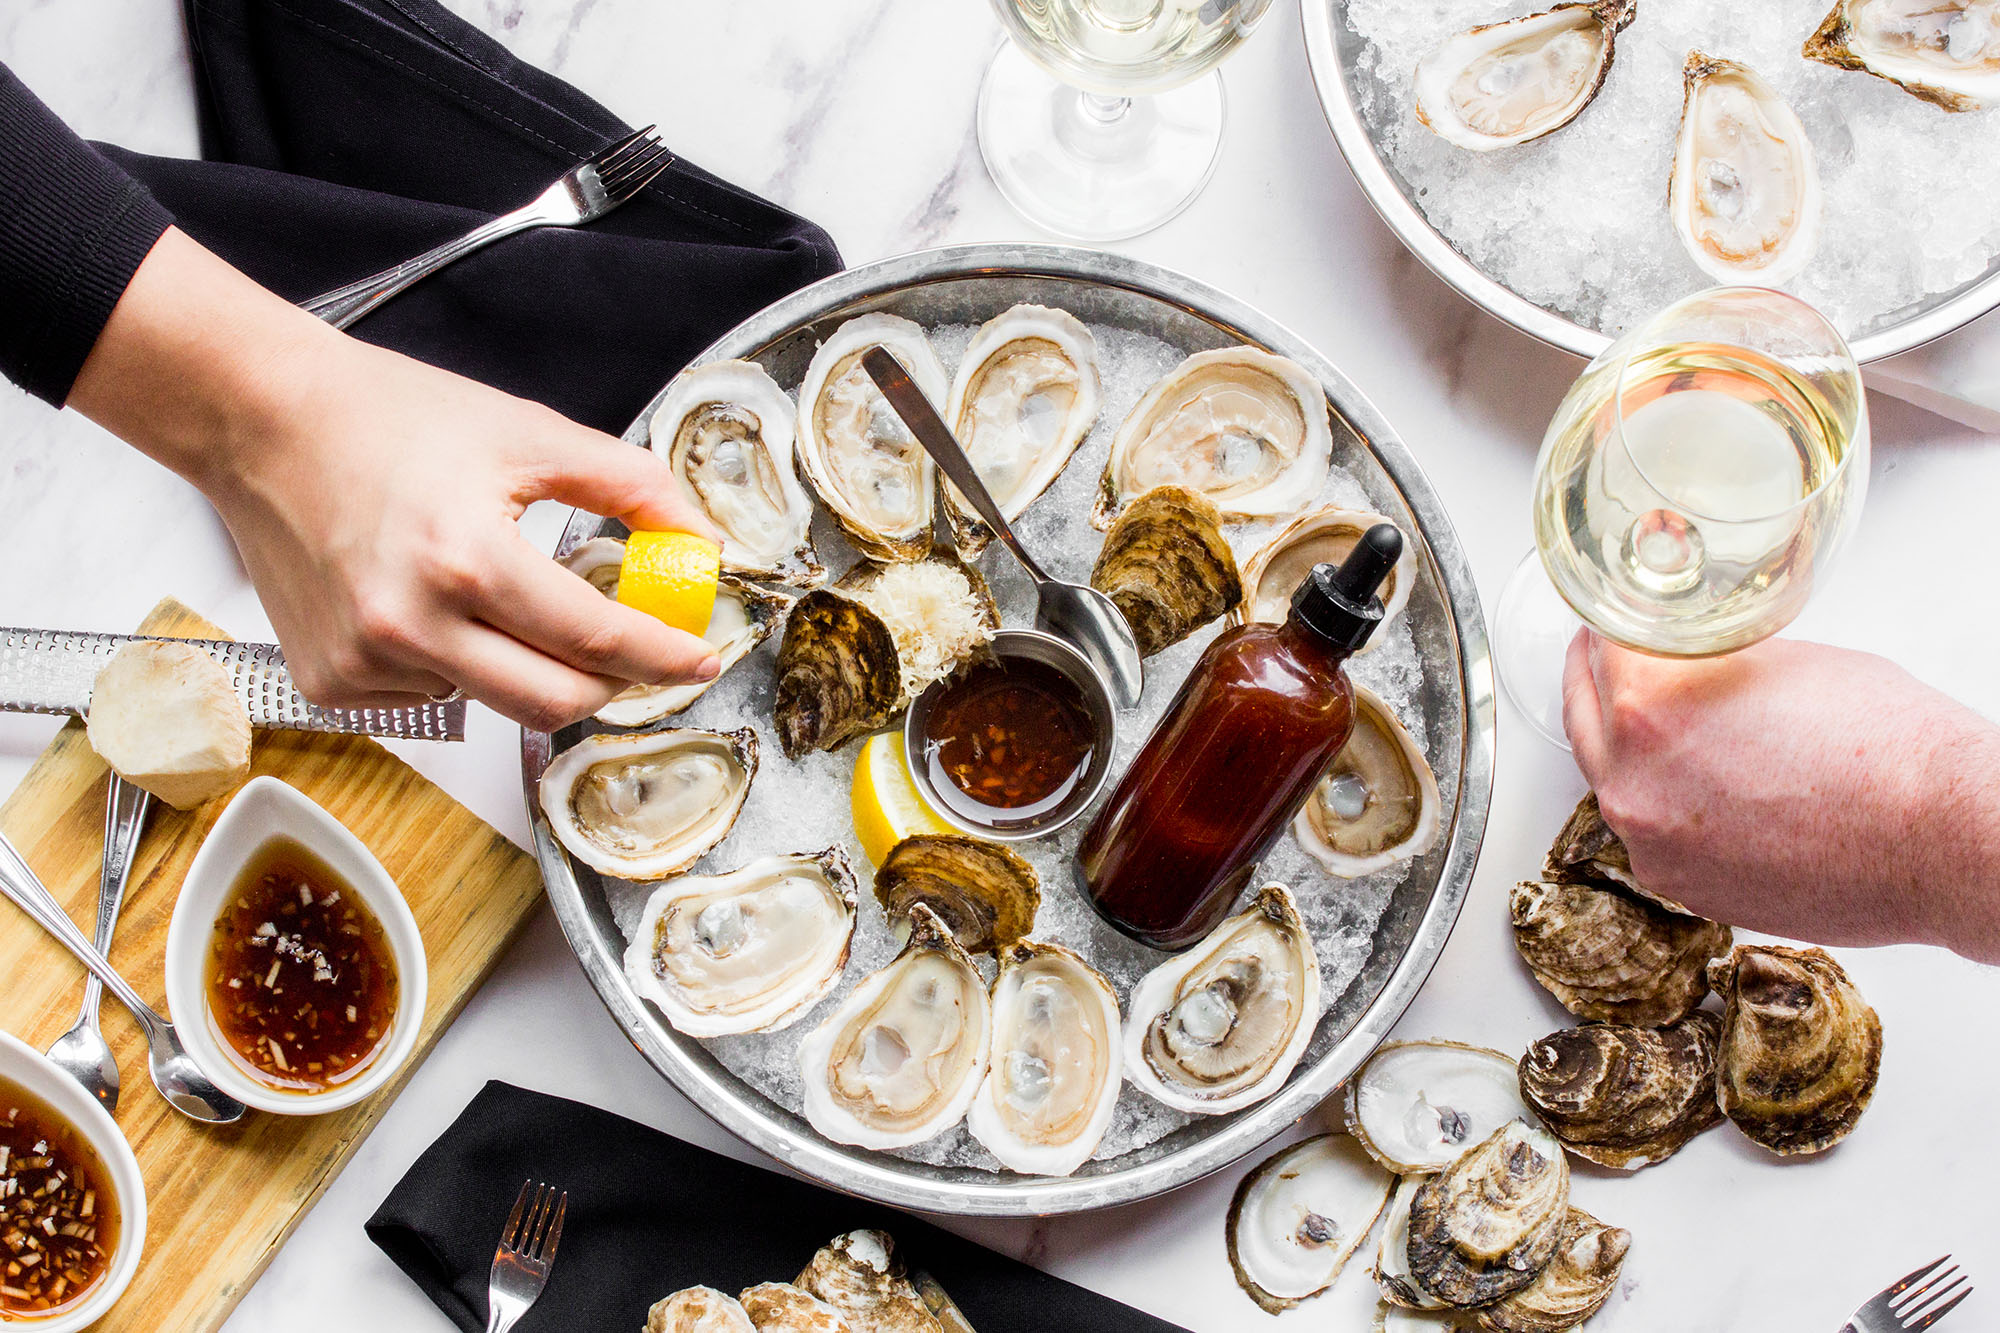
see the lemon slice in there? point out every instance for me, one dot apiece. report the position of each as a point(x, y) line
point(887, 808)
point(671, 576)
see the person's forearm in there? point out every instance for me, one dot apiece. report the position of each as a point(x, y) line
point(1956, 839)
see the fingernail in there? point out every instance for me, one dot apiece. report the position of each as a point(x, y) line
point(710, 668)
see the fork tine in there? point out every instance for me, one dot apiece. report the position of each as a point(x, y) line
point(514, 1218)
point(1904, 1283)
point(546, 1251)
point(1911, 1297)
point(641, 168)
point(532, 1237)
point(1940, 1312)
point(603, 157)
point(1915, 1309)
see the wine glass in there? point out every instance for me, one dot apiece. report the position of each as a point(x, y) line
point(1695, 483)
point(1095, 119)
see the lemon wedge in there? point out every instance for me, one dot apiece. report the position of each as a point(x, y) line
point(887, 808)
point(671, 577)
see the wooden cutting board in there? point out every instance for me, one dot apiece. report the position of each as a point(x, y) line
point(221, 1199)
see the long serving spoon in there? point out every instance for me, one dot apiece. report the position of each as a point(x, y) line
point(184, 1086)
point(1071, 611)
point(82, 1052)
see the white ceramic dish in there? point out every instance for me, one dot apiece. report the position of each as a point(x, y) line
point(266, 809)
point(28, 1068)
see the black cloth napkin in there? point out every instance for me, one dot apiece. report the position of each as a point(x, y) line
point(649, 1215)
point(343, 136)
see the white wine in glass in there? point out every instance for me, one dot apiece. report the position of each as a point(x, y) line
point(1695, 483)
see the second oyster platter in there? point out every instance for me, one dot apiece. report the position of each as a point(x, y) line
point(1375, 930)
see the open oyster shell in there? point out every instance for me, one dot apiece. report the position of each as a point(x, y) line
point(1327, 535)
point(1025, 396)
point(861, 1276)
point(597, 562)
point(1481, 1229)
point(1378, 803)
point(1572, 1287)
point(986, 894)
point(1247, 429)
point(1623, 1096)
point(749, 950)
point(1944, 51)
point(1502, 84)
point(939, 610)
point(780, 1307)
point(698, 1310)
point(1220, 1027)
point(648, 805)
point(726, 429)
point(1801, 1049)
point(744, 616)
point(1391, 1269)
point(1611, 957)
point(1299, 1216)
point(839, 675)
point(1052, 1083)
point(1745, 194)
point(873, 476)
point(1416, 1105)
point(1166, 566)
point(899, 1060)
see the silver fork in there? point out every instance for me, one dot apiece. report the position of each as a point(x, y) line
point(1904, 1305)
point(527, 1249)
point(584, 193)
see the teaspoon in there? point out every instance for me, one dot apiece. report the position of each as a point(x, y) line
point(82, 1052)
point(1072, 612)
point(179, 1080)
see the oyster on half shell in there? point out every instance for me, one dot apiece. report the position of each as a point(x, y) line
point(1378, 803)
point(1612, 957)
point(1623, 1096)
point(1944, 51)
point(1745, 195)
point(1572, 1287)
point(1502, 84)
point(1166, 567)
point(1416, 1105)
point(650, 804)
point(1053, 1079)
point(1220, 1027)
point(743, 617)
point(748, 950)
point(1299, 1216)
point(1482, 1228)
point(1327, 535)
point(986, 894)
point(1391, 1269)
point(597, 562)
point(1801, 1049)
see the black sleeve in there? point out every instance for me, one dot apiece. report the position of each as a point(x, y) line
point(73, 229)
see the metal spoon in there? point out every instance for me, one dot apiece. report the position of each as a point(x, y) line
point(1071, 611)
point(184, 1086)
point(82, 1052)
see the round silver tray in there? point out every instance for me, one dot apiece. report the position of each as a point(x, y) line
point(970, 284)
point(1332, 48)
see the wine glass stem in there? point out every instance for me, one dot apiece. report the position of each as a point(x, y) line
point(1103, 108)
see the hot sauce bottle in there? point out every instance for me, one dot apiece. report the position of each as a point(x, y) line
point(1240, 748)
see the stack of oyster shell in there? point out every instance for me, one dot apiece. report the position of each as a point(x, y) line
point(1459, 1152)
point(856, 1283)
point(1029, 1052)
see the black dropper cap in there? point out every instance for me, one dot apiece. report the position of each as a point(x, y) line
point(1338, 602)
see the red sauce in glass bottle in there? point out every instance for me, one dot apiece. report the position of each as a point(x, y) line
point(1242, 745)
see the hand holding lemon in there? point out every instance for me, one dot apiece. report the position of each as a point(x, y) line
point(671, 576)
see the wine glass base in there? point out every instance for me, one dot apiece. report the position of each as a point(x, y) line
point(1092, 167)
point(1532, 629)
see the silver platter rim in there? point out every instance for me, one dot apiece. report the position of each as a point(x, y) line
point(1330, 51)
point(902, 1183)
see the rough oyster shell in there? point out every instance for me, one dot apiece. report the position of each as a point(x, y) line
point(1246, 429)
point(698, 1310)
point(1391, 1269)
point(1587, 850)
point(1572, 1287)
point(868, 469)
point(780, 1307)
point(1501, 84)
point(938, 609)
point(1299, 1216)
point(902, 1056)
point(1025, 396)
point(1623, 1096)
point(1319, 536)
point(986, 894)
point(1481, 1229)
point(1378, 803)
point(749, 950)
point(861, 1275)
point(648, 805)
point(839, 675)
point(743, 617)
point(1416, 1105)
point(1611, 957)
point(1220, 1027)
point(1166, 567)
point(1944, 51)
point(726, 429)
point(1801, 1049)
point(1745, 193)
point(1052, 1083)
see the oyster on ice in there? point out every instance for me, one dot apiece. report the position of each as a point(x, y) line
point(648, 805)
point(1249, 430)
point(1482, 1228)
point(1801, 1049)
point(1378, 803)
point(1053, 1079)
point(1391, 1269)
point(1166, 566)
point(986, 894)
point(1220, 1027)
point(864, 463)
point(743, 617)
point(749, 950)
point(838, 674)
point(780, 1307)
point(1611, 957)
point(1575, 1284)
point(1745, 194)
point(726, 429)
point(1300, 1215)
point(1320, 536)
point(938, 609)
point(861, 1276)
point(1623, 1096)
point(1025, 396)
point(597, 562)
point(1502, 84)
point(1416, 1105)
point(902, 1056)
point(698, 1310)
point(1944, 51)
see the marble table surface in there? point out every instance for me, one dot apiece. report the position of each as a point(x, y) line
point(798, 99)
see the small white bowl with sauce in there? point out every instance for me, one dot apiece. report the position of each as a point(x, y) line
point(24, 1068)
point(298, 932)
